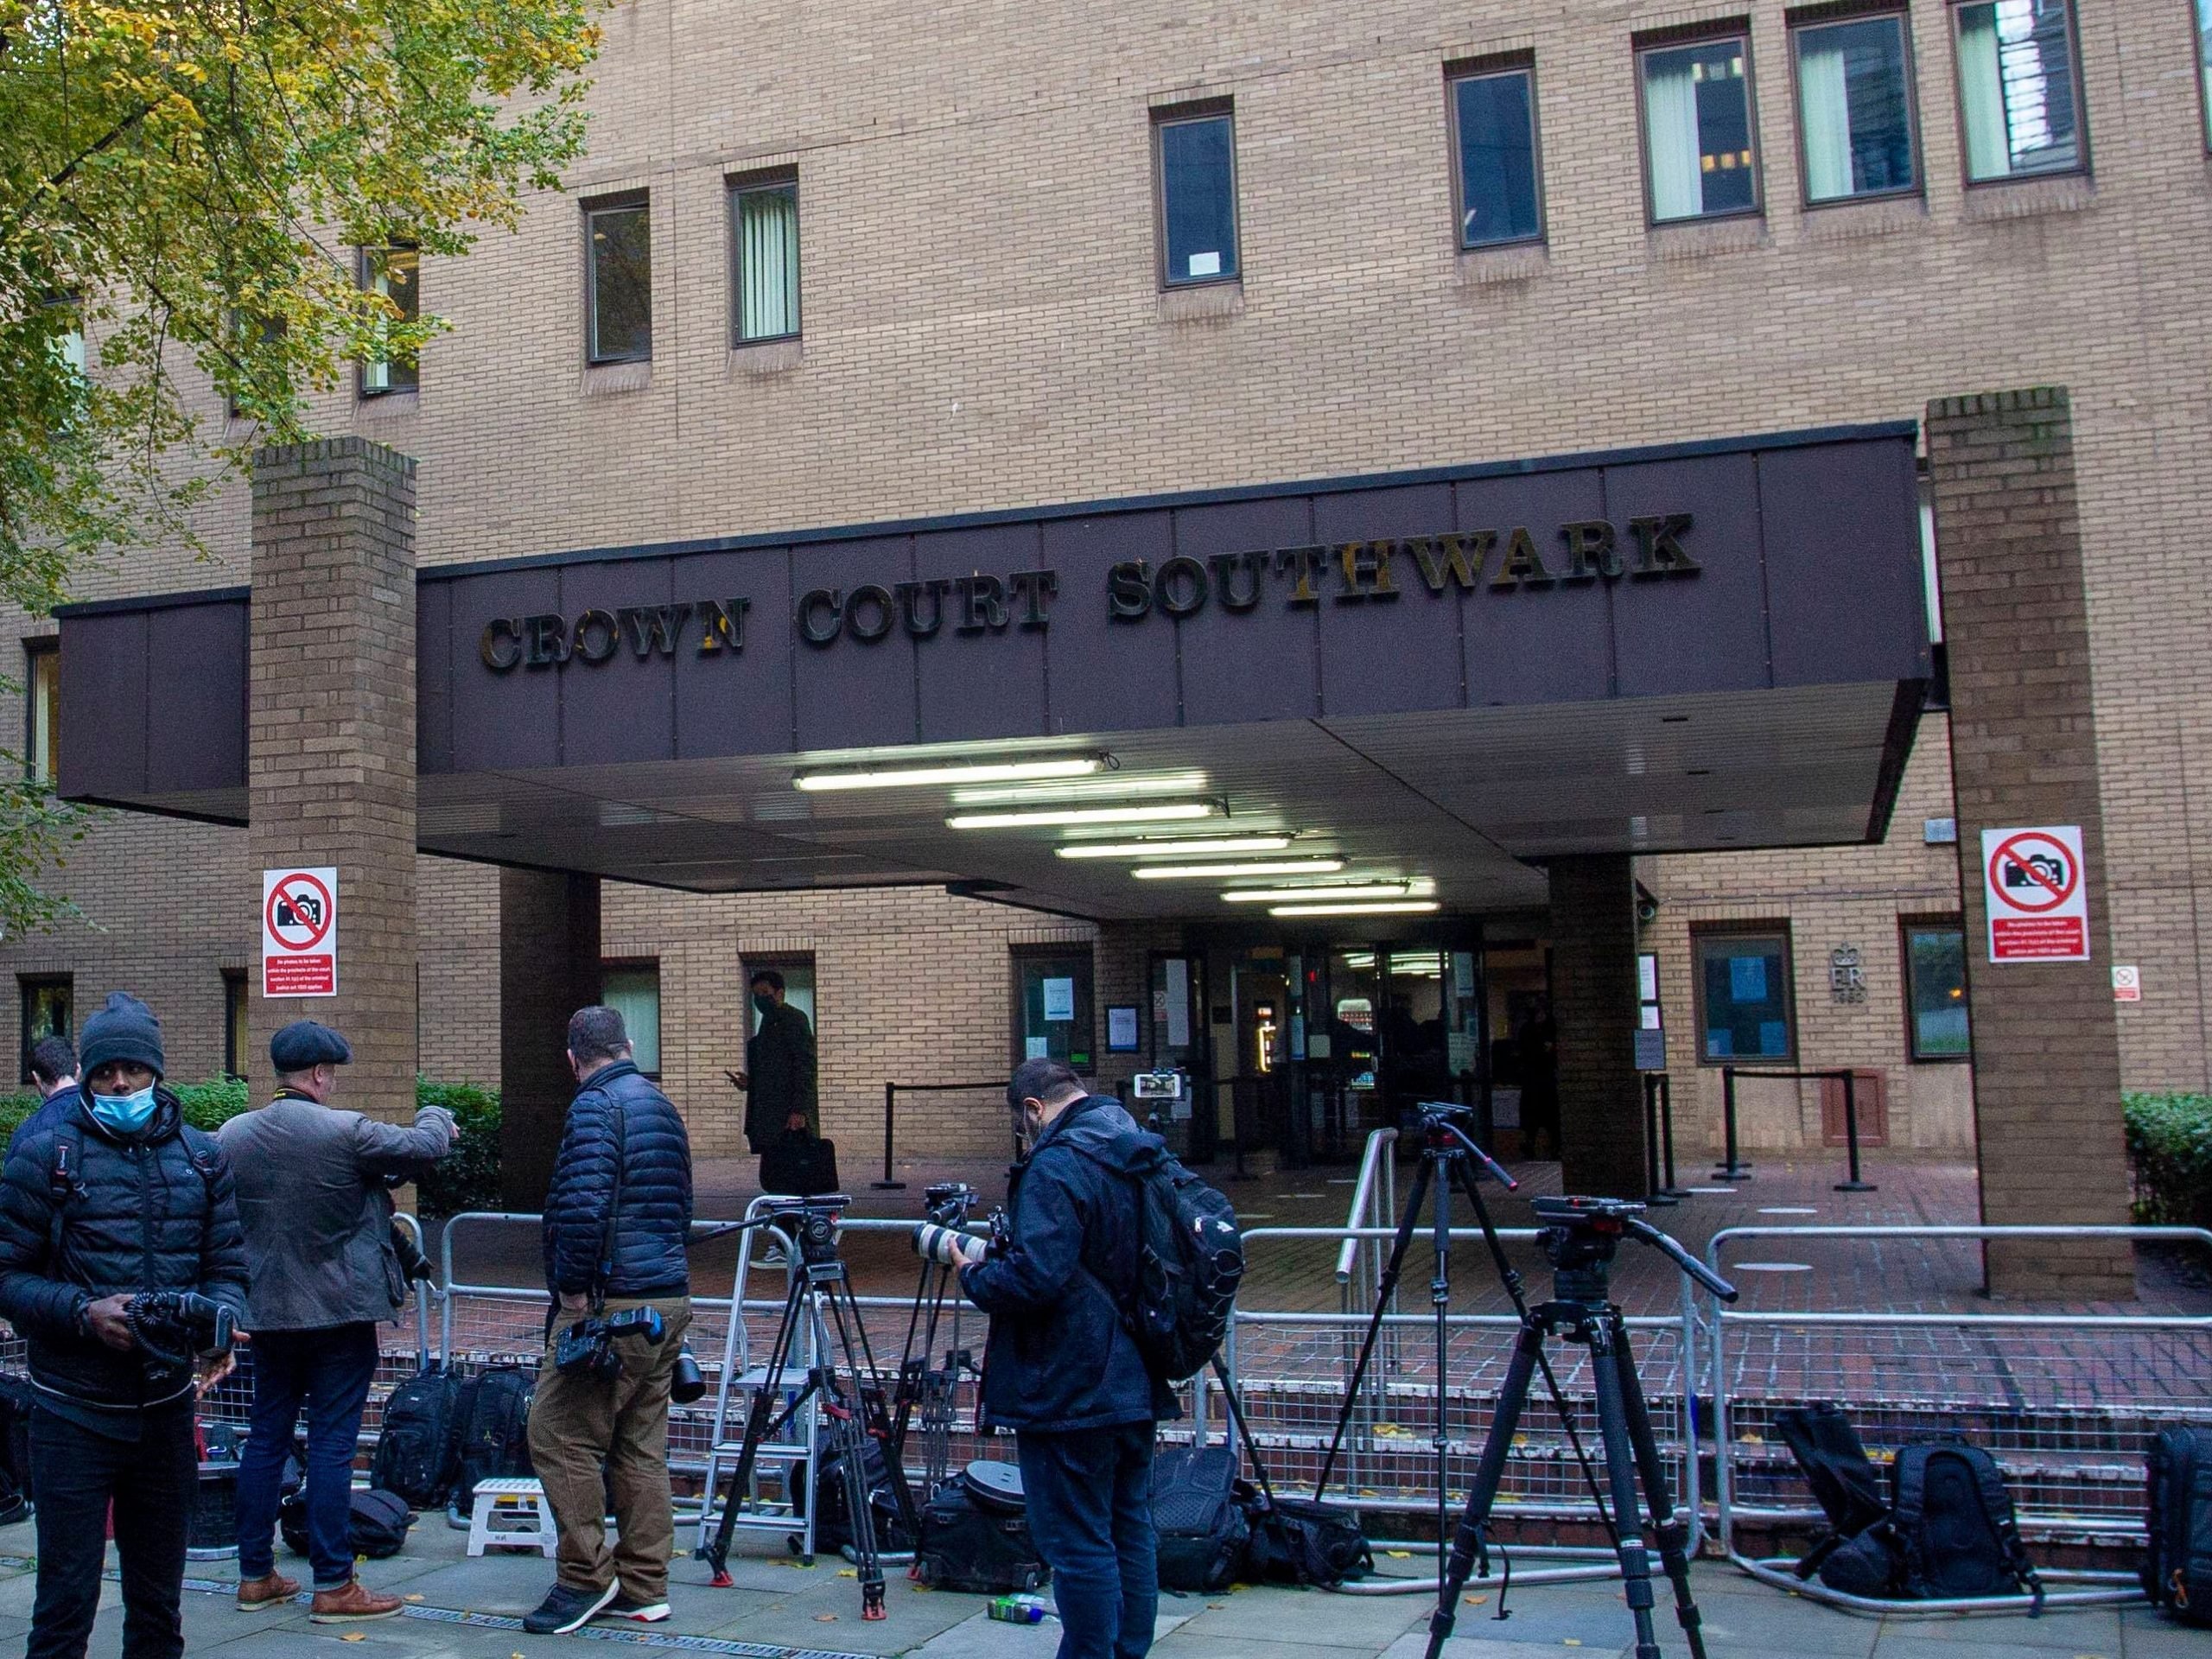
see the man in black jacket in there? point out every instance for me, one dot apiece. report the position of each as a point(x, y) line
point(616, 1223)
point(117, 1199)
point(1062, 1371)
point(777, 1081)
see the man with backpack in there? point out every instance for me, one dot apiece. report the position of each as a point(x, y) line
point(119, 1251)
point(314, 1199)
point(616, 1225)
point(1063, 1369)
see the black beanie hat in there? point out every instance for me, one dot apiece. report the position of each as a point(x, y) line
point(124, 1030)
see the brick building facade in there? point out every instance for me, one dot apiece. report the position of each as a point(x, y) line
point(983, 327)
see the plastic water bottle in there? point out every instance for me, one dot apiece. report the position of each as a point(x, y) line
point(1018, 1610)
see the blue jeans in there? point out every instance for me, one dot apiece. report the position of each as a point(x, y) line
point(1090, 1502)
point(330, 1371)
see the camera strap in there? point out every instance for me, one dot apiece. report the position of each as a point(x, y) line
point(606, 1273)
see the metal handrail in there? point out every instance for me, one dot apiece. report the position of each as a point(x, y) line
point(1380, 1143)
point(2103, 1588)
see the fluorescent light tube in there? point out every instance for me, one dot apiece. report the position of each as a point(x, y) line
point(1177, 847)
point(1297, 895)
point(1409, 907)
point(1157, 812)
point(949, 771)
point(1111, 787)
point(1278, 867)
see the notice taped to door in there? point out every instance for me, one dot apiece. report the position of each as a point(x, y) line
point(299, 932)
point(2038, 906)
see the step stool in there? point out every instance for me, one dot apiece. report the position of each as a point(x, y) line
point(511, 1501)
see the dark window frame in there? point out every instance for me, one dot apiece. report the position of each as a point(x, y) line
point(234, 984)
point(27, 986)
point(2203, 78)
point(635, 965)
point(1777, 928)
point(1018, 954)
point(1815, 18)
point(625, 201)
point(43, 648)
point(1950, 922)
point(735, 188)
point(2081, 168)
point(1173, 115)
point(365, 272)
point(1515, 63)
point(1731, 28)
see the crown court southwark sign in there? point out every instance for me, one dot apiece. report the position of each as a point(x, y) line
point(1510, 560)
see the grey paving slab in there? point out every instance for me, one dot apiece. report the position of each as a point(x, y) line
point(1310, 1618)
point(913, 1615)
point(2089, 1631)
point(1250, 1644)
point(1414, 1645)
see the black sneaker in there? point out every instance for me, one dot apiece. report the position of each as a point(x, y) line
point(564, 1610)
point(637, 1612)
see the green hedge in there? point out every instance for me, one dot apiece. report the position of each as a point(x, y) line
point(466, 1179)
point(2170, 1150)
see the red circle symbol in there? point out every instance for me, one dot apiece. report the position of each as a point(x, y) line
point(298, 904)
point(2027, 880)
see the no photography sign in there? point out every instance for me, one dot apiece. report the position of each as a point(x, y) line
point(2038, 910)
point(299, 932)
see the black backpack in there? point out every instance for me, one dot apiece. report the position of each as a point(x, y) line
point(973, 1540)
point(1835, 1465)
point(1294, 1540)
point(1203, 1533)
point(491, 1441)
point(1190, 1260)
point(833, 1525)
point(1956, 1536)
point(2177, 1560)
point(378, 1527)
point(416, 1448)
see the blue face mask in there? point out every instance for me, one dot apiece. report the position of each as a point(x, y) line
point(124, 1114)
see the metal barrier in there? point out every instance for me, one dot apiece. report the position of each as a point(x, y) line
point(891, 1183)
point(1733, 1171)
point(2066, 1402)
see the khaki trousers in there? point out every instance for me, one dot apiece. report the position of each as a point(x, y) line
point(579, 1425)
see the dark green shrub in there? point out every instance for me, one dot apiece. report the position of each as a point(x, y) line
point(2170, 1153)
point(467, 1177)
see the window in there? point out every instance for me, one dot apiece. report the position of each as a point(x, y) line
point(1493, 140)
point(1936, 991)
point(391, 272)
point(236, 1043)
point(619, 277)
point(2018, 98)
point(1196, 156)
point(632, 990)
point(46, 1013)
point(2204, 65)
point(1697, 130)
point(1052, 1011)
point(764, 224)
point(1745, 1002)
point(1854, 108)
point(41, 709)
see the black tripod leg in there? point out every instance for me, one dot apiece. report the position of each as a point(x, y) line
point(1673, 1535)
point(1385, 1288)
point(849, 1435)
point(756, 1430)
point(1466, 1541)
point(1606, 1365)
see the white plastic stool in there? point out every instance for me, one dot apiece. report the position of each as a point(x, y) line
point(510, 1501)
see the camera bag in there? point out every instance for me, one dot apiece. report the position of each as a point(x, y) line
point(1294, 1540)
point(377, 1528)
point(1203, 1533)
point(417, 1446)
point(1843, 1479)
point(833, 1524)
point(492, 1438)
point(976, 1538)
point(2177, 1560)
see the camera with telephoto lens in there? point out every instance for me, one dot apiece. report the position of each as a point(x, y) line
point(588, 1346)
point(171, 1327)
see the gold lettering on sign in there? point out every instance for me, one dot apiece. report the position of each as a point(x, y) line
point(1523, 566)
point(1456, 557)
point(1366, 567)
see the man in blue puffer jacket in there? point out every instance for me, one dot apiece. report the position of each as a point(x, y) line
point(1062, 1371)
point(616, 1223)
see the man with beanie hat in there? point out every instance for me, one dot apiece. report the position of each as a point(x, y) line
point(115, 1200)
point(314, 1196)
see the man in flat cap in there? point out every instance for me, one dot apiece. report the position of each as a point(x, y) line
point(315, 1196)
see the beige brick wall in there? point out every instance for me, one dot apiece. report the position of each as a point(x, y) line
point(982, 330)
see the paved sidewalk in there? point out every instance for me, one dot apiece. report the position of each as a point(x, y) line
point(461, 1609)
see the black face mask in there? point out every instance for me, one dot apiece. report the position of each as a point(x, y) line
point(766, 1003)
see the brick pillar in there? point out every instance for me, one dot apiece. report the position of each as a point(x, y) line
point(1594, 1008)
point(2024, 751)
point(330, 761)
point(549, 968)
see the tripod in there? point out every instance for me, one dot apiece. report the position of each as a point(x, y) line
point(921, 1384)
point(820, 1301)
point(1580, 1241)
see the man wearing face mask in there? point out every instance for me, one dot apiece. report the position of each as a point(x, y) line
point(1062, 1371)
point(119, 1198)
point(777, 1081)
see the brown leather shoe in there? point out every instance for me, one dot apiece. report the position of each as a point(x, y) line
point(274, 1590)
point(352, 1605)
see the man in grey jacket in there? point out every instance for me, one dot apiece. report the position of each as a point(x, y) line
point(313, 1186)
